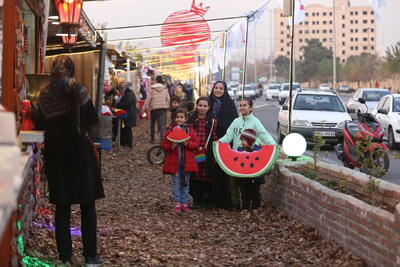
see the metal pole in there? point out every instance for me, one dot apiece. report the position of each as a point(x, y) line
point(334, 46)
point(255, 54)
point(291, 69)
point(245, 56)
point(128, 69)
point(100, 78)
point(223, 67)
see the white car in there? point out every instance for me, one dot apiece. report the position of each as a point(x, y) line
point(387, 112)
point(284, 91)
point(272, 91)
point(231, 93)
point(314, 112)
point(344, 88)
point(248, 92)
point(371, 97)
point(324, 87)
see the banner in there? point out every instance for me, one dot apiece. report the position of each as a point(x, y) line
point(299, 12)
point(376, 5)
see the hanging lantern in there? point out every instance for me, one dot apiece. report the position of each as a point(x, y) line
point(69, 12)
point(69, 40)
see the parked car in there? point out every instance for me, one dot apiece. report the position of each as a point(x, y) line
point(344, 88)
point(248, 92)
point(324, 87)
point(231, 93)
point(371, 97)
point(387, 113)
point(314, 112)
point(272, 91)
point(284, 91)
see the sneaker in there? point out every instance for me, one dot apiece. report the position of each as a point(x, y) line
point(177, 208)
point(185, 208)
point(94, 261)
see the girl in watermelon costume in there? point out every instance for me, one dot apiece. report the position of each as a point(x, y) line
point(205, 126)
point(247, 120)
point(180, 160)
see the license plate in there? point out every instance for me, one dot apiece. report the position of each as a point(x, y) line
point(324, 133)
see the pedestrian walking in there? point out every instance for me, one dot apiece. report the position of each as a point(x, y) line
point(224, 110)
point(205, 126)
point(157, 102)
point(66, 114)
point(180, 161)
point(248, 121)
point(127, 102)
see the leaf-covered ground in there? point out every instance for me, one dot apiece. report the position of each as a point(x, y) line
point(137, 227)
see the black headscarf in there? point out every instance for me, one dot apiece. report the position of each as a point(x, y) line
point(227, 111)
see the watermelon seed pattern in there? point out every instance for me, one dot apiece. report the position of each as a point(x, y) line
point(251, 165)
point(242, 164)
point(257, 158)
point(235, 158)
point(247, 157)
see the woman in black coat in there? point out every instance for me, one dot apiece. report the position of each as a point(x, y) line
point(66, 113)
point(224, 110)
point(127, 103)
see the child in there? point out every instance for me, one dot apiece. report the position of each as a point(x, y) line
point(250, 187)
point(246, 121)
point(205, 127)
point(174, 104)
point(180, 161)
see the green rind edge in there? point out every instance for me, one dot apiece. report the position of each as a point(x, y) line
point(271, 163)
point(178, 141)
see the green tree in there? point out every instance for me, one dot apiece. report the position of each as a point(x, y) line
point(364, 67)
point(314, 53)
point(325, 69)
point(282, 65)
point(393, 58)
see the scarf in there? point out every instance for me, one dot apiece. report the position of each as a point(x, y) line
point(216, 106)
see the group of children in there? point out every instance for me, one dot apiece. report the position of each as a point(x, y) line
point(246, 133)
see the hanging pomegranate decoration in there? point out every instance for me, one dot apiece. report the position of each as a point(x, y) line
point(178, 30)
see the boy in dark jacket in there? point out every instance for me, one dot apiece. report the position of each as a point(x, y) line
point(250, 187)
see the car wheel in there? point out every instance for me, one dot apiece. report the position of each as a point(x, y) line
point(279, 134)
point(391, 142)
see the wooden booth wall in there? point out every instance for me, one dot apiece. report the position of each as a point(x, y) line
point(86, 70)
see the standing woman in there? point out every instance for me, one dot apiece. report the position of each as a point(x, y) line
point(179, 91)
point(66, 113)
point(224, 110)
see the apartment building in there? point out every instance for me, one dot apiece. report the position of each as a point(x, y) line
point(355, 30)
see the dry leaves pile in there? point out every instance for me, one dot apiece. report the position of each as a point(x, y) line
point(138, 228)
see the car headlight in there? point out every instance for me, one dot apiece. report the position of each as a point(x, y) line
point(341, 124)
point(301, 123)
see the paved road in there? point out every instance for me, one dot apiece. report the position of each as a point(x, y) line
point(267, 112)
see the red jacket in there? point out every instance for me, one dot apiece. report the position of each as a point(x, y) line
point(171, 160)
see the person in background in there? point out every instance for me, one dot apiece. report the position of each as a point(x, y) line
point(66, 114)
point(127, 102)
point(224, 110)
point(190, 107)
point(205, 126)
point(180, 161)
point(157, 102)
point(247, 120)
point(174, 105)
point(179, 92)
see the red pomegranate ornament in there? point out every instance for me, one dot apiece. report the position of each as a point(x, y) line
point(175, 33)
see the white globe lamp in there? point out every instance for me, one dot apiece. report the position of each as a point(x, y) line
point(294, 145)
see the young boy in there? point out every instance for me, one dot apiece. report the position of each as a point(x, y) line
point(250, 187)
point(174, 104)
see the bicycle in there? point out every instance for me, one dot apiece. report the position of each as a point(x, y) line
point(156, 155)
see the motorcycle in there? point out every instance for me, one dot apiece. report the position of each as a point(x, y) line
point(366, 127)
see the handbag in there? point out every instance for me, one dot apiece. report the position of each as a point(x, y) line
point(201, 154)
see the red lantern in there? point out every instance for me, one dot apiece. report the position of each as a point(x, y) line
point(69, 12)
point(69, 40)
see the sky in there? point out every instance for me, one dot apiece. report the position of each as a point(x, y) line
point(156, 11)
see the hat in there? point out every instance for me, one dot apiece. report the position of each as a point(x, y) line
point(250, 136)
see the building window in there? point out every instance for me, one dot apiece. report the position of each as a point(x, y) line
point(365, 21)
point(343, 61)
point(306, 22)
point(356, 30)
point(300, 40)
point(365, 12)
point(365, 47)
point(287, 53)
point(351, 13)
point(317, 31)
point(365, 39)
point(306, 32)
point(372, 12)
point(365, 30)
point(343, 43)
point(306, 14)
point(287, 27)
point(356, 21)
point(356, 39)
point(343, 26)
point(330, 13)
point(330, 31)
point(306, 39)
point(372, 39)
point(351, 39)
point(300, 31)
point(287, 35)
point(356, 48)
point(313, 23)
point(317, 22)
point(343, 34)
point(351, 30)
point(313, 14)
point(323, 31)
point(281, 49)
point(372, 21)
point(301, 57)
point(313, 31)
point(282, 32)
point(351, 22)
point(282, 41)
point(324, 40)
point(281, 23)
point(343, 16)
point(343, 52)
point(323, 13)
point(372, 30)
point(356, 13)
point(351, 48)
point(330, 40)
point(330, 22)
point(372, 47)
point(324, 22)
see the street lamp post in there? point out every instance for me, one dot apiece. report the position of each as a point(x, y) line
point(334, 45)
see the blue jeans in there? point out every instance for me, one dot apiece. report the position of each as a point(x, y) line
point(180, 193)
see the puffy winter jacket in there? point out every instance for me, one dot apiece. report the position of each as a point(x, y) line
point(172, 157)
point(158, 97)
